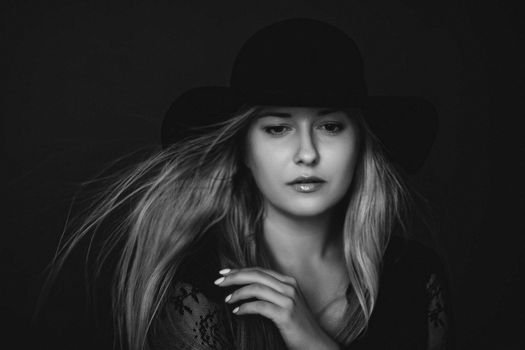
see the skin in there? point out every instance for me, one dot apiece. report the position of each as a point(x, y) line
point(280, 300)
point(313, 141)
point(283, 144)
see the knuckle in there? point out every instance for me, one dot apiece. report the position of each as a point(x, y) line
point(257, 287)
point(292, 281)
point(286, 316)
point(289, 303)
point(292, 292)
point(259, 306)
point(254, 272)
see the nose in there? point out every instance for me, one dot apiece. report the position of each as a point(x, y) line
point(306, 151)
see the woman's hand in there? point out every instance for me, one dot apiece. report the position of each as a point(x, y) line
point(279, 299)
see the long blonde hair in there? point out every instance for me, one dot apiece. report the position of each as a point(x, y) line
point(168, 202)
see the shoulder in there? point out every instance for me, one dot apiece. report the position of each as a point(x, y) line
point(199, 268)
point(190, 318)
point(186, 300)
point(411, 278)
point(412, 257)
point(193, 314)
point(415, 290)
point(416, 265)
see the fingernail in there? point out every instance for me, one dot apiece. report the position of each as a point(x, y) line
point(219, 280)
point(224, 271)
point(228, 298)
point(235, 310)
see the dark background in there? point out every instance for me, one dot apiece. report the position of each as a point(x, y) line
point(90, 81)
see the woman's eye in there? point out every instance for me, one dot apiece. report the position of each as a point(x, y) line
point(276, 130)
point(332, 128)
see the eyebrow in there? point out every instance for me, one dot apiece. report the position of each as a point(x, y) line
point(320, 113)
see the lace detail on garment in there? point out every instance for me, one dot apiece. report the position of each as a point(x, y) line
point(194, 321)
point(437, 317)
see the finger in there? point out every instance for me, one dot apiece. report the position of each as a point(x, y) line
point(248, 276)
point(262, 308)
point(261, 292)
point(283, 278)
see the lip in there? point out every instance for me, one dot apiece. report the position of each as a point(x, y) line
point(305, 179)
point(307, 187)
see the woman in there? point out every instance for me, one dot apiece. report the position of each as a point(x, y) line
point(277, 225)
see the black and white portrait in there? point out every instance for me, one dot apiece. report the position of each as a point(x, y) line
point(263, 175)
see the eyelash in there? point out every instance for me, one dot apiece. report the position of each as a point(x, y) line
point(268, 129)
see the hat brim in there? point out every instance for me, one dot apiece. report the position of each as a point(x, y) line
point(405, 125)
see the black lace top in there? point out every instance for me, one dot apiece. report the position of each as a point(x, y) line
point(411, 311)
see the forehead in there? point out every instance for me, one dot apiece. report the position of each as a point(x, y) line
point(290, 112)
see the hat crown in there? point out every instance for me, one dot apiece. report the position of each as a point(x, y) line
point(304, 62)
point(299, 57)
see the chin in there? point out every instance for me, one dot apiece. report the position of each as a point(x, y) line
point(307, 208)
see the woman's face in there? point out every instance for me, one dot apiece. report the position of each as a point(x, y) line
point(302, 158)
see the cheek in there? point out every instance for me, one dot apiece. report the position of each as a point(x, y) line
point(351, 159)
point(264, 166)
point(260, 165)
point(343, 162)
point(260, 159)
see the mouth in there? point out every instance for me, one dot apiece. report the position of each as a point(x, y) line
point(306, 184)
point(306, 180)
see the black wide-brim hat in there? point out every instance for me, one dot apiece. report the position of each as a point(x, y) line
point(305, 62)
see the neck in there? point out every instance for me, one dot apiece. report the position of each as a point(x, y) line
point(297, 243)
